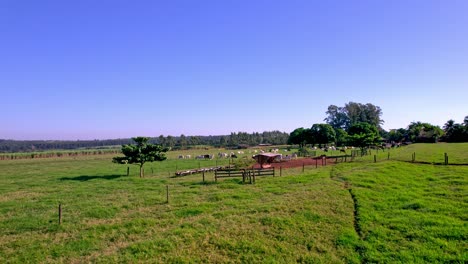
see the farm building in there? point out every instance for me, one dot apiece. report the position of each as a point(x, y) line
point(265, 159)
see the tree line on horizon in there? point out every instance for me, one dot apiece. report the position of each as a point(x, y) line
point(233, 140)
point(352, 124)
point(359, 125)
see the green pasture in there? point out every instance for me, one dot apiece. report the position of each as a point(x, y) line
point(354, 212)
point(424, 153)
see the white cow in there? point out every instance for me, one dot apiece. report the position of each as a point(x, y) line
point(222, 155)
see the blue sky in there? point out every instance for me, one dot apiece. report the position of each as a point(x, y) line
point(113, 69)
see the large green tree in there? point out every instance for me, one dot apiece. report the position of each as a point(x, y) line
point(322, 134)
point(299, 136)
point(140, 153)
point(341, 138)
point(424, 132)
point(456, 132)
point(352, 113)
point(396, 135)
point(363, 135)
point(337, 117)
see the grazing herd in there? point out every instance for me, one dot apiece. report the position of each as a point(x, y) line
point(226, 155)
point(221, 155)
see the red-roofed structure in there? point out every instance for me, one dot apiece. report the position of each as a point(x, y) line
point(266, 158)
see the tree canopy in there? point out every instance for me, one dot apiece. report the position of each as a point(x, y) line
point(456, 132)
point(424, 132)
point(141, 153)
point(322, 134)
point(352, 113)
point(299, 136)
point(363, 135)
point(341, 138)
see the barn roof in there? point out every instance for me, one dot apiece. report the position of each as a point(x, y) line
point(268, 154)
point(265, 157)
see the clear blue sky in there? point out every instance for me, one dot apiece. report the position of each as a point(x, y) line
point(113, 69)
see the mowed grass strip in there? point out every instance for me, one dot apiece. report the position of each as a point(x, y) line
point(109, 217)
point(409, 213)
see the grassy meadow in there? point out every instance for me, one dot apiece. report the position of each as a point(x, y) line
point(360, 211)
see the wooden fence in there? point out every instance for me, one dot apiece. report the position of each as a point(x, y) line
point(246, 174)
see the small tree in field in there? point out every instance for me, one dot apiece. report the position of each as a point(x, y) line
point(141, 153)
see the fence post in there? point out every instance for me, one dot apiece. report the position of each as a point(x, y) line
point(203, 176)
point(128, 170)
point(60, 214)
point(303, 167)
point(445, 158)
point(167, 193)
point(375, 158)
point(281, 171)
point(388, 156)
point(316, 163)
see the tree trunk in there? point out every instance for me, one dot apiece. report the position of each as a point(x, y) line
point(141, 171)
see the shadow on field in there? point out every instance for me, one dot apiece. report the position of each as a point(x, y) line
point(89, 177)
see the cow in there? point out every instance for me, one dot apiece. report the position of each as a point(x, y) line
point(208, 156)
point(188, 157)
point(181, 156)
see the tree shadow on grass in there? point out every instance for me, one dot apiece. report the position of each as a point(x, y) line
point(91, 177)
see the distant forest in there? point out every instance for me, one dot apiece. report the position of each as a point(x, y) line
point(234, 140)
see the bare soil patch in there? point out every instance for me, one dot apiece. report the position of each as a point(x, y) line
point(299, 162)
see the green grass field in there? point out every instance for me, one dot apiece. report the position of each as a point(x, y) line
point(389, 211)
